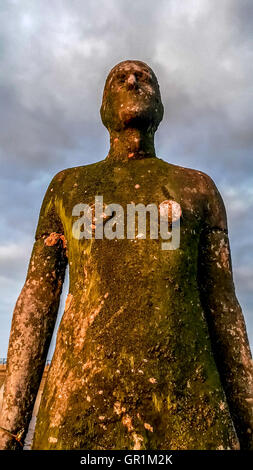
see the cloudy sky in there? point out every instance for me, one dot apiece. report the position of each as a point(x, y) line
point(55, 56)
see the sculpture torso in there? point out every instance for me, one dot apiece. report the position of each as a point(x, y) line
point(133, 366)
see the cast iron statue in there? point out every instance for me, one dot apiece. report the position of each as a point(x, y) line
point(152, 350)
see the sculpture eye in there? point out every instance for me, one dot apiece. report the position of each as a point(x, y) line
point(140, 75)
point(143, 76)
point(121, 77)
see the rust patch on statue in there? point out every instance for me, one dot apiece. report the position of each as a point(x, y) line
point(170, 209)
point(53, 238)
point(127, 422)
point(68, 301)
point(148, 427)
point(64, 241)
point(224, 255)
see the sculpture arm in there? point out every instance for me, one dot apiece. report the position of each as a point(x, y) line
point(32, 326)
point(225, 320)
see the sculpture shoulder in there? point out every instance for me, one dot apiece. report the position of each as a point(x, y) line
point(49, 219)
point(196, 178)
point(206, 192)
point(214, 207)
point(216, 216)
point(68, 176)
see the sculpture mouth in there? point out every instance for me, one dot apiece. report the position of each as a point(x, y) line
point(138, 93)
point(136, 112)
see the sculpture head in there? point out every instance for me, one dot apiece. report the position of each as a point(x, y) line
point(131, 98)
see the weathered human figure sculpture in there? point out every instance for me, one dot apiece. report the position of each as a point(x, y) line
point(152, 351)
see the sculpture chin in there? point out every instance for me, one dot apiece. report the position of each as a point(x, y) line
point(136, 117)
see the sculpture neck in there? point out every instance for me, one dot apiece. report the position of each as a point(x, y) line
point(131, 144)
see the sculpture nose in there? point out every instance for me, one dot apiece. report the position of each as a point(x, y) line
point(131, 81)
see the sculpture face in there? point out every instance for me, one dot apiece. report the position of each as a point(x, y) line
point(131, 98)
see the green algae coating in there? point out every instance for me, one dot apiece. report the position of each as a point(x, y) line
point(133, 366)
